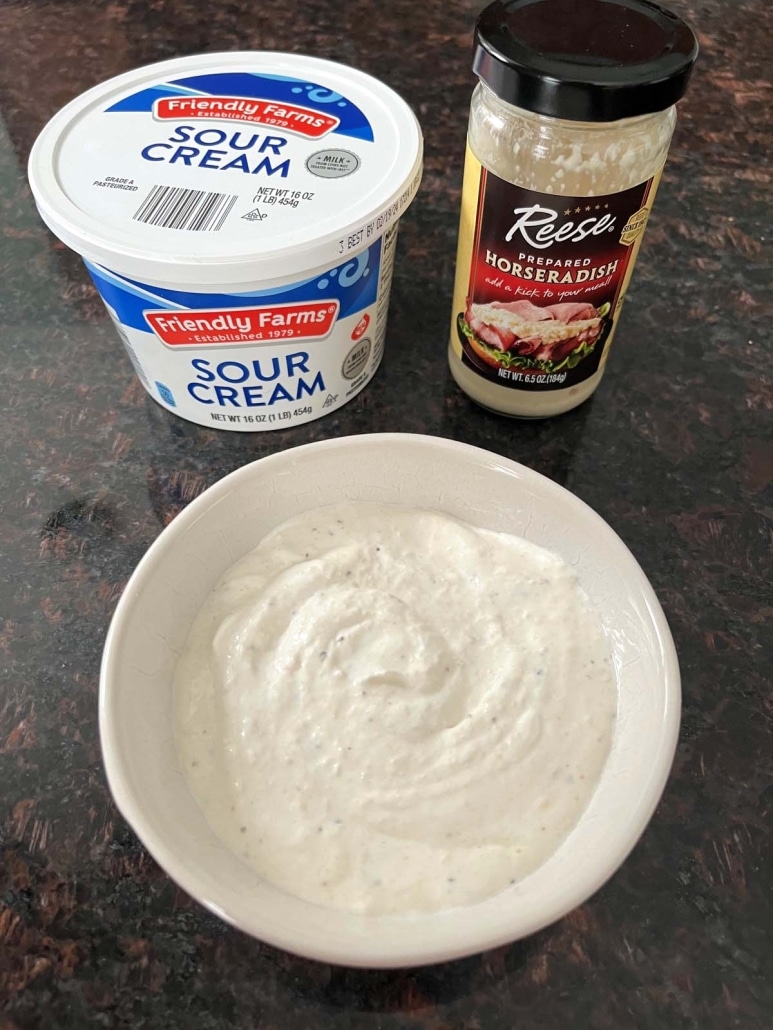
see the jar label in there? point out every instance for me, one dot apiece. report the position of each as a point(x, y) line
point(540, 278)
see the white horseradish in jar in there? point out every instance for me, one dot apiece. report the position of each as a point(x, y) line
point(569, 130)
point(238, 215)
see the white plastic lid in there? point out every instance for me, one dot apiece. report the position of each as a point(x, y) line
point(227, 168)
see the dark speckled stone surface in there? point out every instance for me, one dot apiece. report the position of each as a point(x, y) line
point(675, 451)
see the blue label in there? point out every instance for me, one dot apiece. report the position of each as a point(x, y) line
point(352, 120)
point(354, 284)
point(166, 395)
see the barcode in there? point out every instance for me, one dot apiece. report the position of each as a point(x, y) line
point(172, 207)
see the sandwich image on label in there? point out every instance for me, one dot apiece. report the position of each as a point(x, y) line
point(520, 334)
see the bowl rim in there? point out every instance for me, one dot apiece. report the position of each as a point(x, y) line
point(369, 952)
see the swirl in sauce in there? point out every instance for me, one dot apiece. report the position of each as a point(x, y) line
point(384, 710)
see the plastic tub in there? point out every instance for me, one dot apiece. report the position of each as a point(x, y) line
point(238, 215)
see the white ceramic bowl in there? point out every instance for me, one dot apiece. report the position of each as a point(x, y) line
point(172, 580)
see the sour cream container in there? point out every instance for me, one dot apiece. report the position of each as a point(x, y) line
point(238, 214)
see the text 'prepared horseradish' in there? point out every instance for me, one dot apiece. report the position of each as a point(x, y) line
point(569, 130)
point(385, 710)
point(238, 215)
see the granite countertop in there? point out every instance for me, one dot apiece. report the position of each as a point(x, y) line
point(675, 451)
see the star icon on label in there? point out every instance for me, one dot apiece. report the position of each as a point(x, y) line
point(577, 210)
point(588, 208)
point(568, 211)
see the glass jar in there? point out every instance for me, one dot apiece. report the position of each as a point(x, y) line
point(569, 130)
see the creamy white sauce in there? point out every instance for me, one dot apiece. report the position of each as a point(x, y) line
point(385, 710)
